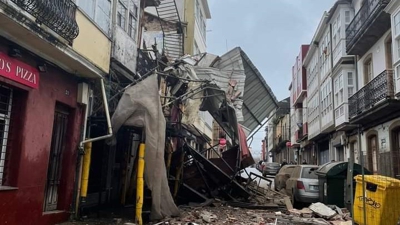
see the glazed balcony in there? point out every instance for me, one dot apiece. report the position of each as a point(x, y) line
point(299, 135)
point(367, 26)
point(58, 15)
point(375, 102)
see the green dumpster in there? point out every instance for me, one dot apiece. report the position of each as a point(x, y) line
point(332, 182)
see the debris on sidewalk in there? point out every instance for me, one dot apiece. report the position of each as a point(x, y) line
point(316, 214)
point(322, 210)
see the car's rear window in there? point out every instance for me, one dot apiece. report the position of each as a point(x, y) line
point(309, 173)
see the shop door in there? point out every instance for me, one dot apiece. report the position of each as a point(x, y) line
point(57, 148)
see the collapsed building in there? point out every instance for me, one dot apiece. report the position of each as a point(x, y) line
point(157, 111)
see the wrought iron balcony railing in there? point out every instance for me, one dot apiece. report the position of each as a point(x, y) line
point(378, 89)
point(363, 18)
point(58, 15)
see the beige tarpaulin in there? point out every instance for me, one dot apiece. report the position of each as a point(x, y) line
point(140, 106)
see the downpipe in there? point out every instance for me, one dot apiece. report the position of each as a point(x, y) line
point(106, 109)
point(85, 146)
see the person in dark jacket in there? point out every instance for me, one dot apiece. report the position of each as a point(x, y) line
point(283, 163)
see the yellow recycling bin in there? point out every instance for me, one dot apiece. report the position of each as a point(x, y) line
point(382, 200)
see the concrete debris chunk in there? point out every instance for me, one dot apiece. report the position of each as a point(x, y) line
point(322, 210)
point(208, 217)
point(341, 222)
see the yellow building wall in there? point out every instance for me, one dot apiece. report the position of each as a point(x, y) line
point(91, 43)
point(190, 20)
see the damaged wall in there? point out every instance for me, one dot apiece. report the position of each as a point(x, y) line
point(153, 32)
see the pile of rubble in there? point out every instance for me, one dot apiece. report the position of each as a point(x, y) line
point(318, 214)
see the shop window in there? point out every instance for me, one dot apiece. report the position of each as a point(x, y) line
point(5, 114)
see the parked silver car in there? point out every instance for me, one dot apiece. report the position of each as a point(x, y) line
point(302, 186)
point(271, 168)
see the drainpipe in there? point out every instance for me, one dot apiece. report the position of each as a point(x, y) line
point(109, 127)
point(85, 164)
point(333, 153)
point(79, 165)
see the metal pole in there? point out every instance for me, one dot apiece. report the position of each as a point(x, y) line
point(106, 111)
point(350, 178)
point(362, 174)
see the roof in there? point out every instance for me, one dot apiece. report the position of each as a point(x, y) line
point(258, 99)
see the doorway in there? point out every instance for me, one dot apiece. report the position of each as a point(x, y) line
point(58, 142)
point(396, 151)
point(372, 153)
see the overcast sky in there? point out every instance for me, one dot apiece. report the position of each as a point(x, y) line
point(270, 32)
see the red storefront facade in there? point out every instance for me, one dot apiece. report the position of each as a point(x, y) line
point(40, 123)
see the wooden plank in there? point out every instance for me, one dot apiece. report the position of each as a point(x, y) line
point(288, 203)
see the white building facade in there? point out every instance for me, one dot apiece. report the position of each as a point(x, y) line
point(330, 81)
point(374, 107)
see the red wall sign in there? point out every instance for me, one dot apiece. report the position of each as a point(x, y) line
point(18, 71)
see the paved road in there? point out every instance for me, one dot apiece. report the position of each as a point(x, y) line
point(263, 183)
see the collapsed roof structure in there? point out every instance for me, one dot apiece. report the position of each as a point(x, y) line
point(230, 88)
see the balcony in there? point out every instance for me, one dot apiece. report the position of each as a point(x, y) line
point(299, 135)
point(375, 102)
point(49, 29)
point(58, 15)
point(368, 25)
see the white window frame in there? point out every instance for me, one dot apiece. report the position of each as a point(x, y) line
point(396, 23)
point(122, 12)
point(94, 15)
point(132, 24)
point(200, 19)
point(347, 18)
point(350, 86)
point(3, 147)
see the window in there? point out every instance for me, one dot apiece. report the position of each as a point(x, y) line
point(397, 23)
point(309, 173)
point(121, 15)
point(347, 18)
point(398, 47)
point(99, 11)
point(133, 22)
point(350, 81)
point(200, 20)
point(398, 72)
point(368, 74)
point(5, 113)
